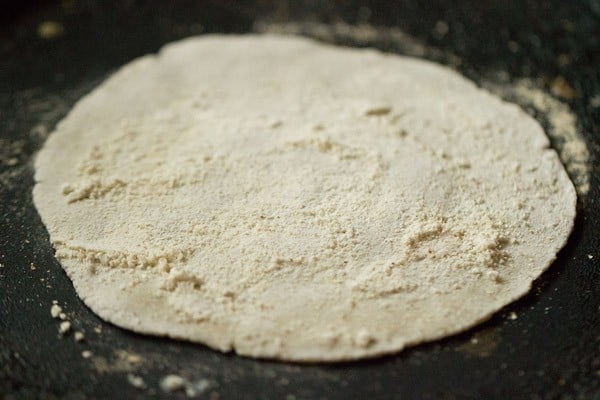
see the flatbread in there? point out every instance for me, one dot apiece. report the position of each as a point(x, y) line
point(288, 199)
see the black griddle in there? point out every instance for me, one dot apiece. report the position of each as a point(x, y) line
point(551, 350)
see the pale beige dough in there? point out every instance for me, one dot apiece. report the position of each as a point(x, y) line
point(287, 199)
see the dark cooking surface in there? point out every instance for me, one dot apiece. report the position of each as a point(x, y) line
point(551, 350)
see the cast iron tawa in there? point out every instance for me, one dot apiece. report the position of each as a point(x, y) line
point(550, 350)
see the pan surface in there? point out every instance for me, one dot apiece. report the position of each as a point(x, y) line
point(547, 345)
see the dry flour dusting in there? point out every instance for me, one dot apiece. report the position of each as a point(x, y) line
point(562, 128)
point(288, 199)
point(561, 121)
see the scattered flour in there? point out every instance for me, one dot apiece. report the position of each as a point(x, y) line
point(79, 336)
point(561, 121)
point(172, 383)
point(136, 381)
point(562, 127)
point(55, 310)
point(64, 327)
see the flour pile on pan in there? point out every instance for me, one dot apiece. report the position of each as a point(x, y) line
point(287, 199)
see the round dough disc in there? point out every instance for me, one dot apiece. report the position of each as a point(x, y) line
point(288, 199)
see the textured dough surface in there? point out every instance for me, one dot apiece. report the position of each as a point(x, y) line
point(288, 199)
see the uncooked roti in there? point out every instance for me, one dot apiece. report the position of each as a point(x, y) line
point(288, 199)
